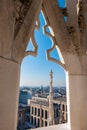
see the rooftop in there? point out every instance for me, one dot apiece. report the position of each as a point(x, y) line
point(44, 101)
point(41, 103)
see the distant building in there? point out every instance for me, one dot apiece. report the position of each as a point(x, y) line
point(47, 111)
point(23, 117)
point(44, 109)
point(24, 95)
point(39, 111)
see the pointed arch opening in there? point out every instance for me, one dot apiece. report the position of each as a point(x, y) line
point(43, 47)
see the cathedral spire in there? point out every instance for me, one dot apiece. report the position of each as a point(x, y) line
point(51, 109)
point(51, 80)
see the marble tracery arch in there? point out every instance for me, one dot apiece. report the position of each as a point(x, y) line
point(72, 39)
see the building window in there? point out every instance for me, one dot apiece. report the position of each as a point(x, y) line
point(31, 119)
point(45, 123)
point(32, 110)
point(38, 122)
point(63, 107)
point(59, 106)
point(42, 123)
point(46, 114)
point(42, 113)
point(38, 112)
point(55, 112)
point(35, 111)
point(35, 121)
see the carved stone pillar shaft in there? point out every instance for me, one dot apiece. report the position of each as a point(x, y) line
point(9, 94)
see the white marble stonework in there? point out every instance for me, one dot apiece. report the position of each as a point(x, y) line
point(9, 89)
point(77, 102)
point(54, 127)
point(71, 39)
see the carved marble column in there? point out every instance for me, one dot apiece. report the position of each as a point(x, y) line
point(12, 51)
point(9, 91)
point(77, 104)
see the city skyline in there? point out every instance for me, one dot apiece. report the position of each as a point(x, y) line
point(35, 70)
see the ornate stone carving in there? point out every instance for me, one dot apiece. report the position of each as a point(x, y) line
point(74, 37)
point(21, 8)
point(71, 30)
point(34, 52)
point(64, 11)
point(80, 16)
point(54, 44)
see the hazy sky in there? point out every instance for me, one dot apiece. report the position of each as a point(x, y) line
point(35, 70)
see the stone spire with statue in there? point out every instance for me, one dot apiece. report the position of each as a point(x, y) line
point(51, 109)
